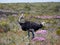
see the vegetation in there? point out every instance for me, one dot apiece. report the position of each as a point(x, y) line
point(58, 32)
point(50, 8)
point(12, 33)
point(4, 26)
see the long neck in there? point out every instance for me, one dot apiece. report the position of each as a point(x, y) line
point(21, 18)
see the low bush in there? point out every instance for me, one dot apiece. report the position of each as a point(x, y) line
point(4, 26)
point(58, 32)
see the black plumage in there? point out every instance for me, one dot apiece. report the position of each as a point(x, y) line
point(30, 25)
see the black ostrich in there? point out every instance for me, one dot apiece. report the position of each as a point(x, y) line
point(29, 26)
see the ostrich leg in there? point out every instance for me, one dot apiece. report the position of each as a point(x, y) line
point(33, 35)
point(32, 31)
point(28, 33)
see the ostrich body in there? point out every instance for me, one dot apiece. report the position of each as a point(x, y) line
point(29, 26)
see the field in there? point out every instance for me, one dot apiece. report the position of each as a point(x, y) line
point(11, 32)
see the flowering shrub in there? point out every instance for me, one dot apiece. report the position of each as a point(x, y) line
point(39, 39)
point(41, 32)
point(47, 17)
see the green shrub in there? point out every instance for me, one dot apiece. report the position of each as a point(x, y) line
point(58, 32)
point(5, 26)
point(11, 18)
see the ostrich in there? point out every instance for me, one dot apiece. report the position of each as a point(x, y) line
point(29, 26)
